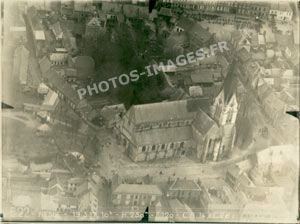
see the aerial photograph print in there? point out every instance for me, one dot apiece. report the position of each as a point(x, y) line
point(150, 111)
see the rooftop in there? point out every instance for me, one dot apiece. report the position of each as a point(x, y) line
point(163, 135)
point(183, 184)
point(137, 189)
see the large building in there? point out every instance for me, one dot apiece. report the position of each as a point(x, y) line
point(242, 8)
point(281, 11)
point(176, 128)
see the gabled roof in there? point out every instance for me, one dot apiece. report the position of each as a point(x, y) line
point(56, 29)
point(230, 82)
point(163, 135)
point(45, 64)
point(236, 35)
point(204, 124)
point(174, 110)
point(202, 78)
point(94, 22)
point(165, 12)
point(185, 23)
point(39, 35)
point(51, 100)
point(137, 189)
point(244, 55)
point(185, 185)
point(83, 6)
point(281, 6)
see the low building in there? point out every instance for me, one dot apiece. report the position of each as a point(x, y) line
point(112, 114)
point(95, 27)
point(87, 192)
point(136, 195)
point(181, 212)
point(185, 190)
point(59, 58)
point(44, 65)
point(281, 11)
point(50, 102)
point(57, 30)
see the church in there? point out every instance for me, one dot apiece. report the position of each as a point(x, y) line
point(176, 128)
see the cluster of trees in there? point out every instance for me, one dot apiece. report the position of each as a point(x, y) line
point(129, 51)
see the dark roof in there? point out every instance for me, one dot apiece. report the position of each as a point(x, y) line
point(85, 63)
point(45, 64)
point(138, 189)
point(165, 12)
point(111, 6)
point(57, 30)
point(203, 123)
point(202, 78)
point(164, 135)
point(185, 23)
point(230, 82)
point(174, 110)
point(244, 55)
point(130, 10)
point(236, 35)
point(59, 83)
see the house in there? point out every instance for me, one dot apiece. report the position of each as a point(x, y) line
point(181, 211)
point(58, 58)
point(165, 13)
point(44, 64)
point(43, 89)
point(217, 200)
point(71, 74)
point(136, 195)
point(232, 174)
point(112, 114)
point(198, 36)
point(85, 65)
point(158, 211)
point(244, 55)
point(270, 39)
point(83, 9)
point(111, 7)
point(69, 43)
point(130, 11)
point(95, 27)
point(50, 102)
point(66, 7)
point(44, 167)
point(20, 64)
point(57, 30)
point(281, 11)
point(184, 190)
point(236, 37)
point(272, 105)
point(37, 30)
point(87, 192)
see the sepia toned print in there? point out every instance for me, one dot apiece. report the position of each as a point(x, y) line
point(160, 111)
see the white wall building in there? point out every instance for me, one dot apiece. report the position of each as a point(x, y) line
point(281, 11)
